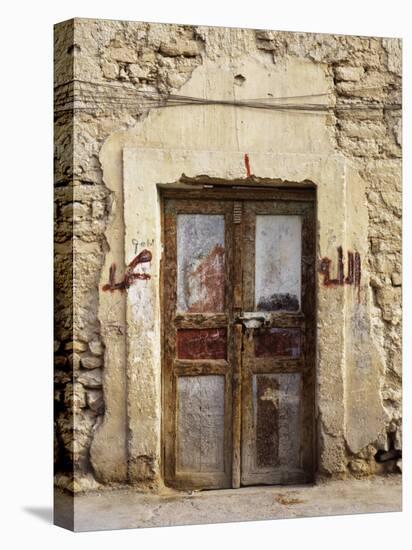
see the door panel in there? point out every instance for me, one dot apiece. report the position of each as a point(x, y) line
point(239, 332)
point(197, 334)
point(278, 262)
point(276, 405)
point(200, 263)
point(200, 423)
point(277, 380)
point(205, 343)
point(278, 342)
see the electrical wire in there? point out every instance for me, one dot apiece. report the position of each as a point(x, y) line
point(79, 98)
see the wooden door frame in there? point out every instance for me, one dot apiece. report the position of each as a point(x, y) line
point(232, 192)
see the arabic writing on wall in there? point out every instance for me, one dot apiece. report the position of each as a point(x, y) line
point(354, 271)
point(129, 275)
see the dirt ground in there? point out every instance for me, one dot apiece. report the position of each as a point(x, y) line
point(122, 509)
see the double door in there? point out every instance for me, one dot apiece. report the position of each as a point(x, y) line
point(239, 339)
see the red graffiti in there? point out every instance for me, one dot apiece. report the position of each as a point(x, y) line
point(349, 277)
point(354, 270)
point(129, 276)
point(247, 165)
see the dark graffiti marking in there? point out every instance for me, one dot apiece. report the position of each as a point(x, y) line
point(354, 273)
point(142, 244)
point(358, 272)
point(129, 276)
point(349, 278)
point(341, 276)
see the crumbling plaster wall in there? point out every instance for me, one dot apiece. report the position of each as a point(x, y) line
point(98, 66)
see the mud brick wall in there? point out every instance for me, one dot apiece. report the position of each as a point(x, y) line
point(98, 65)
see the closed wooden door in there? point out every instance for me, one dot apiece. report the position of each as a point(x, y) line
point(278, 343)
point(238, 331)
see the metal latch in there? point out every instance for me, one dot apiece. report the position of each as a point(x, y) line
point(250, 320)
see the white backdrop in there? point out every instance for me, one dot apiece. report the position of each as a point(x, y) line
point(26, 35)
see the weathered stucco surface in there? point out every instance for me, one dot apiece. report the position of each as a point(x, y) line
point(112, 153)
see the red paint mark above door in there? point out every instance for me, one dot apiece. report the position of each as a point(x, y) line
point(247, 165)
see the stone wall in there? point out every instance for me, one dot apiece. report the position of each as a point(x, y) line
point(99, 67)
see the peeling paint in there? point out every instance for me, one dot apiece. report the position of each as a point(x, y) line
point(267, 422)
point(201, 343)
point(277, 342)
point(201, 263)
point(278, 262)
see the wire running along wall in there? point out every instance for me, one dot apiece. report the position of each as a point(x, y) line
point(92, 96)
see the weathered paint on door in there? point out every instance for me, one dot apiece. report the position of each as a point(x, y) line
point(239, 330)
point(197, 372)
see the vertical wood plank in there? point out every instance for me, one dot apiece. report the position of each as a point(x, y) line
point(237, 406)
point(169, 340)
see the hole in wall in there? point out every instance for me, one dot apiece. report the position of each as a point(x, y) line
point(240, 79)
point(74, 49)
point(391, 453)
point(385, 456)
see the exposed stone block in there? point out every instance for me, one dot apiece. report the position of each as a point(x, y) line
point(353, 74)
point(398, 438)
point(188, 48)
point(394, 53)
point(95, 400)
point(74, 396)
point(60, 361)
point(61, 377)
point(79, 483)
point(139, 71)
point(76, 345)
point(91, 379)
point(98, 209)
point(110, 69)
point(91, 362)
point(96, 347)
point(74, 360)
point(396, 279)
point(123, 53)
point(75, 211)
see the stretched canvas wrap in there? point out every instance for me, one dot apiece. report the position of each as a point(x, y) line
point(227, 274)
